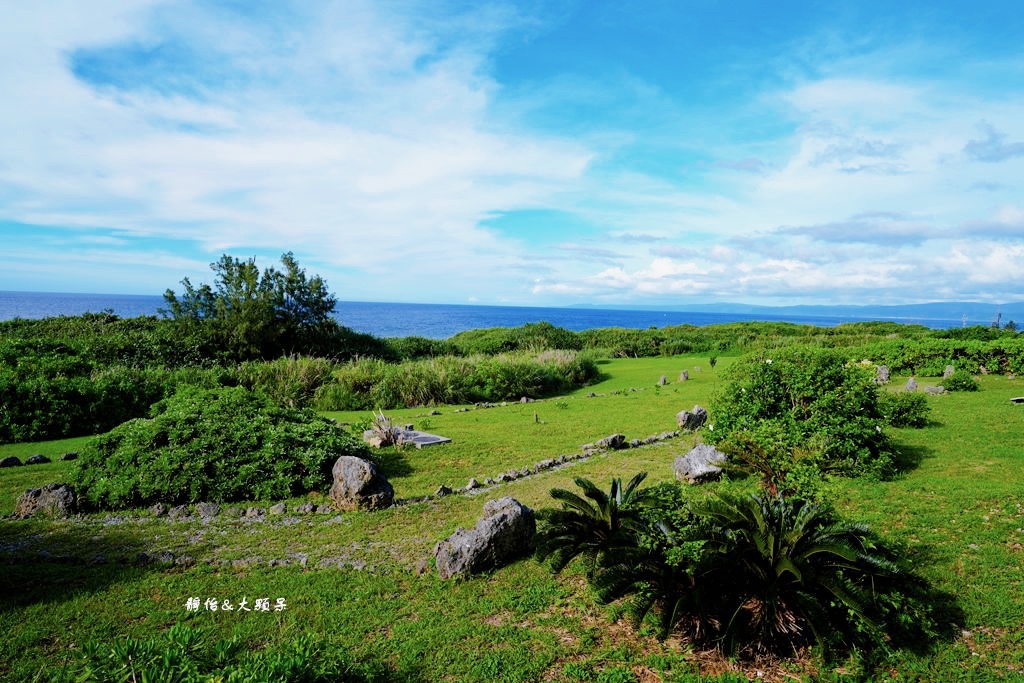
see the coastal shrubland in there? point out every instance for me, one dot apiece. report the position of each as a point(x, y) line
point(365, 584)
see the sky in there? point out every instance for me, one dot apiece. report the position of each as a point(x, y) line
point(529, 153)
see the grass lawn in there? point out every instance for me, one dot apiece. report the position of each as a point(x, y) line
point(364, 583)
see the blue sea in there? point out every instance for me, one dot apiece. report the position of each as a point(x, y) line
point(434, 321)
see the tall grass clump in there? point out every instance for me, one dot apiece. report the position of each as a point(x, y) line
point(369, 383)
point(292, 381)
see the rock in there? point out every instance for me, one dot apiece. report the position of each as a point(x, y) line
point(691, 420)
point(158, 509)
point(10, 461)
point(255, 513)
point(73, 455)
point(434, 412)
point(948, 372)
point(359, 485)
point(278, 509)
point(442, 491)
point(306, 509)
point(504, 533)
point(683, 376)
point(701, 464)
point(38, 460)
point(982, 369)
point(911, 384)
point(53, 500)
point(207, 510)
point(324, 509)
point(935, 390)
point(472, 484)
point(178, 511)
point(882, 374)
point(662, 381)
point(612, 442)
point(1017, 399)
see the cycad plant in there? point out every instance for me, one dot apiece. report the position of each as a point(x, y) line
point(788, 573)
point(594, 526)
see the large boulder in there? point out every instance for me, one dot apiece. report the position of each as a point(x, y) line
point(882, 374)
point(691, 420)
point(948, 372)
point(504, 533)
point(703, 463)
point(53, 500)
point(359, 485)
point(911, 385)
point(10, 461)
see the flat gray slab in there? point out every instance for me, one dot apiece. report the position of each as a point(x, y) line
point(421, 439)
point(1018, 399)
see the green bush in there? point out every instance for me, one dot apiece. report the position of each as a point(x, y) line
point(904, 408)
point(759, 574)
point(960, 380)
point(212, 445)
point(818, 400)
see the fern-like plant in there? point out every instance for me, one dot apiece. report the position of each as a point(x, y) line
point(788, 573)
point(589, 526)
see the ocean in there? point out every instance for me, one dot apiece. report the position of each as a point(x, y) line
point(434, 321)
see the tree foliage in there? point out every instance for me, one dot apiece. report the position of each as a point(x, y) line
point(256, 315)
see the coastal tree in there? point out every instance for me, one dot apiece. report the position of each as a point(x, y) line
point(258, 315)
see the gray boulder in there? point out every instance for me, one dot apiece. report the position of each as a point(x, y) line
point(612, 442)
point(703, 463)
point(10, 461)
point(948, 372)
point(71, 455)
point(504, 533)
point(882, 374)
point(684, 376)
point(53, 500)
point(359, 485)
point(935, 391)
point(38, 459)
point(662, 381)
point(911, 384)
point(691, 420)
point(207, 510)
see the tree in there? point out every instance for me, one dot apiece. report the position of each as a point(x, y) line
point(258, 316)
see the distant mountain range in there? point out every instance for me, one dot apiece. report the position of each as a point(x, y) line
point(977, 313)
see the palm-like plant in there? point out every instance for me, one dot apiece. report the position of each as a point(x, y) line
point(593, 526)
point(788, 573)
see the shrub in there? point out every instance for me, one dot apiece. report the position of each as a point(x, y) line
point(816, 398)
point(215, 445)
point(755, 573)
point(904, 408)
point(960, 380)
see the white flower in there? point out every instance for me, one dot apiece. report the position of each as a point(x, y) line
point(768, 362)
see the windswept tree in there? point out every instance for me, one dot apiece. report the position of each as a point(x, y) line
point(258, 315)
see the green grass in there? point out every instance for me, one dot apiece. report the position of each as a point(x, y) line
point(958, 508)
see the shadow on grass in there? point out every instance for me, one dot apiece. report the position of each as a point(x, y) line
point(41, 564)
point(392, 463)
point(908, 458)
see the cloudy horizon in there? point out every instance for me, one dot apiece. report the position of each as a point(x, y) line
point(525, 153)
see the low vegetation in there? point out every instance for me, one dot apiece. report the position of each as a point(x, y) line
point(213, 445)
point(860, 532)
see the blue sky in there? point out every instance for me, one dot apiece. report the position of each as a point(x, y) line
point(532, 153)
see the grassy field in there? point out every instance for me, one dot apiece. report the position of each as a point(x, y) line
point(364, 582)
